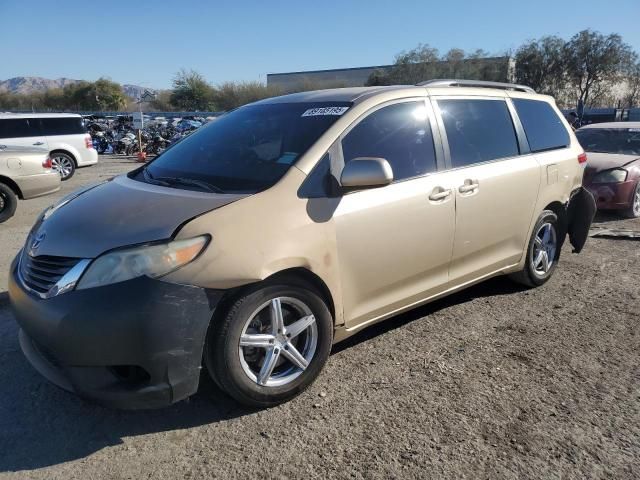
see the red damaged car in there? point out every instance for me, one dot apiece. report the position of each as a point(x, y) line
point(612, 174)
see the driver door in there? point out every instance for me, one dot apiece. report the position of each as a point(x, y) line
point(394, 242)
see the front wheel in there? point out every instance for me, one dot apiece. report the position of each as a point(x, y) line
point(8, 203)
point(634, 209)
point(63, 164)
point(271, 344)
point(543, 252)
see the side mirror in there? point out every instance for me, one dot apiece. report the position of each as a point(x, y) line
point(366, 172)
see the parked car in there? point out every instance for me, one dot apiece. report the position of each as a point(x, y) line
point(62, 134)
point(287, 225)
point(25, 172)
point(613, 172)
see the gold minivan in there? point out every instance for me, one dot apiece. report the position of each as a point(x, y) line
point(285, 226)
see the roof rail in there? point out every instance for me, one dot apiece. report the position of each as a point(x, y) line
point(476, 83)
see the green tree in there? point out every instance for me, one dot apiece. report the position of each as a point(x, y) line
point(162, 102)
point(424, 63)
point(191, 92)
point(108, 95)
point(541, 65)
point(595, 61)
point(230, 95)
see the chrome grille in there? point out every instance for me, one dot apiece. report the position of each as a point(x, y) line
point(41, 273)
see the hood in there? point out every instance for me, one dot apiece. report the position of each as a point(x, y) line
point(606, 161)
point(118, 213)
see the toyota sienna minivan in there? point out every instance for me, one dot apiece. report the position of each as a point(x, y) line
point(288, 225)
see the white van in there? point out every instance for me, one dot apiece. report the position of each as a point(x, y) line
point(62, 134)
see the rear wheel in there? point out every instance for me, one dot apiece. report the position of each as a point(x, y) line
point(271, 345)
point(63, 164)
point(543, 252)
point(634, 209)
point(8, 202)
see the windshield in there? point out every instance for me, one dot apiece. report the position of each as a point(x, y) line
point(244, 151)
point(625, 141)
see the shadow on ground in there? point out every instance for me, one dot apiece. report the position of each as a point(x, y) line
point(607, 217)
point(41, 425)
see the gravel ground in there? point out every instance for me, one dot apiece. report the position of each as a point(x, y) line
point(493, 382)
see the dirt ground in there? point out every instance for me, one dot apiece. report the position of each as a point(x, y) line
point(493, 382)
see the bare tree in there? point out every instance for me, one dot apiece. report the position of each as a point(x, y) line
point(632, 98)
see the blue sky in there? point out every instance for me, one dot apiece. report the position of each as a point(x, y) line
point(245, 40)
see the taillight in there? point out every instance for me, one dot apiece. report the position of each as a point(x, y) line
point(87, 141)
point(46, 163)
point(582, 158)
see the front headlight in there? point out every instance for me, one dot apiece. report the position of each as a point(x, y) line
point(611, 176)
point(152, 260)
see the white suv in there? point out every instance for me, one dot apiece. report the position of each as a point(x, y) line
point(62, 134)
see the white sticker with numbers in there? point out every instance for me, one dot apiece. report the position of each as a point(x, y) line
point(313, 112)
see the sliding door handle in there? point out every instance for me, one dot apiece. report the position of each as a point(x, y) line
point(439, 193)
point(469, 186)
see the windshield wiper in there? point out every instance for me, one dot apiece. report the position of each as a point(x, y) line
point(188, 182)
point(151, 179)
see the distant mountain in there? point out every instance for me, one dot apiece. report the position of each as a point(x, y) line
point(133, 91)
point(33, 84)
point(38, 84)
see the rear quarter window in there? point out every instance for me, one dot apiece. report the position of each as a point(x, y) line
point(478, 130)
point(62, 126)
point(542, 125)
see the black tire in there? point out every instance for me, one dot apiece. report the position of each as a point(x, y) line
point(8, 203)
point(64, 164)
point(634, 209)
point(222, 346)
point(530, 276)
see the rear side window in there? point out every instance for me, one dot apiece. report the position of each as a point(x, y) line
point(544, 129)
point(62, 126)
point(16, 128)
point(399, 133)
point(478, 130)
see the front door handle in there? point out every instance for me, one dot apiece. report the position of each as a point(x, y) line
point(439, 193)
point(469, 186)
point(39, 143)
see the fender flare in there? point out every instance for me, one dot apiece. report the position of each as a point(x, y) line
point(581, 209)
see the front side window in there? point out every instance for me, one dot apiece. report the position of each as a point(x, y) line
point(478, 130)
point(399, 133)
point(624, 141)
point(542, 125)
point(16, 128)
point(244, 151)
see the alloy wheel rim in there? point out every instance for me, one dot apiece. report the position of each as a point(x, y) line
point(62, 165)
point(544, 249)
point(636, 202)
point(278, 342)
point(3, 202)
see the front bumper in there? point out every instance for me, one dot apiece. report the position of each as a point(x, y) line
point(135, 344)
point(613, 196)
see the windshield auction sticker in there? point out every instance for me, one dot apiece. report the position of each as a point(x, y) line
point(313, 112)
